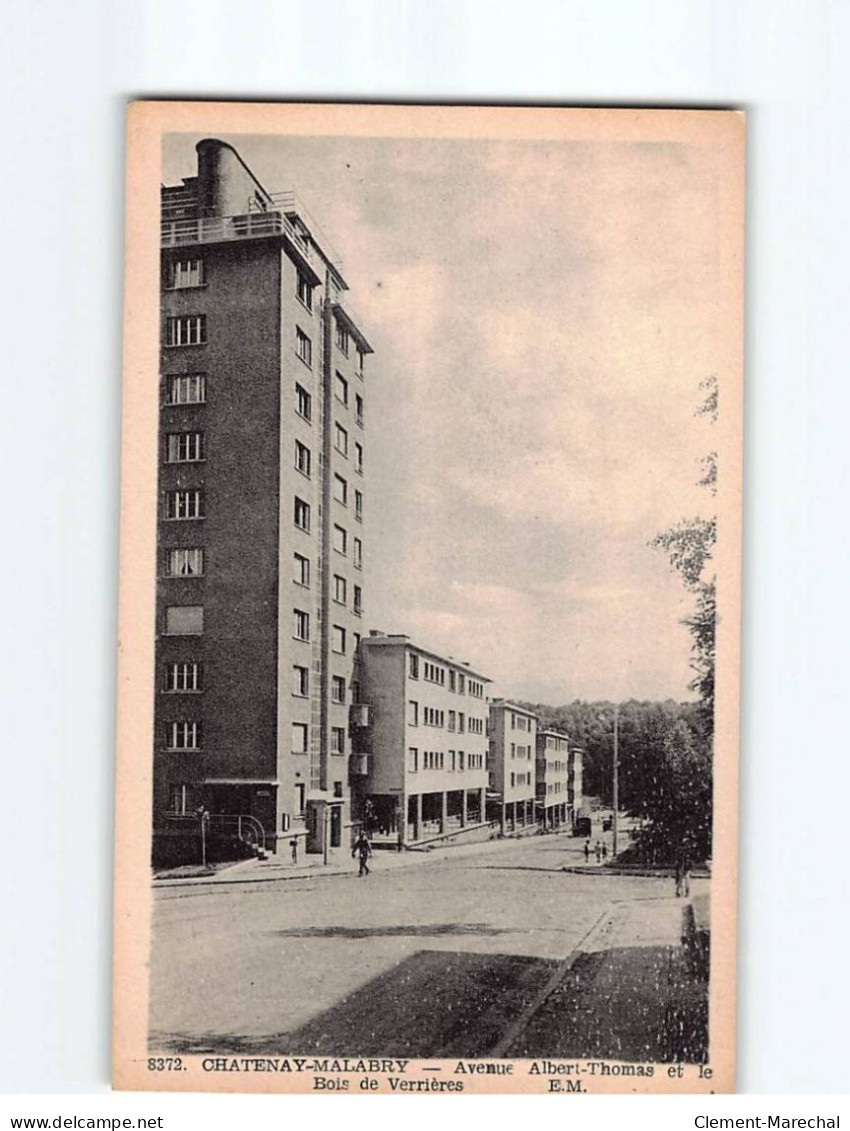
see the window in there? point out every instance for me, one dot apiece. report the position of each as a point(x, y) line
point(460, 759)
point(358, 554)
point(184, 447)
point(184, 620)
point(185, 273)
point(337, 793)
point(300, 738)
point(413, 713)
point(358, 505)
point(341, 440)
point(461, 722)
point(305, 290)
point(339, 589)
point(301, 569)
point(184, 504)
point(340, 540)
point(452, 681)
point(303, 346)
point(184, 563)
point(301, 625)
point(300, 796)
point(513, 749)
point(185, 676)
point(338, 639)
point(358, 600)
point(183, 736)
point(413, 666)
point(355, 691)
point(355, 639)
point(303, 402)
point(302, 514)
point(358, 408)
point(338, 689)
point(342, 338)
point(302, 458)
point(461, 684)
point(178, 800)
point(452, 761)
point(337, 740)
point(187, 330)
point(360, 359)
point(452, 720)
point(341, 490)
point(358, 457)
point(188, 389)
point(300, 680)
point(341, 388)
point(412, 759)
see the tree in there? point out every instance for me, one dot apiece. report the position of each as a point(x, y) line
point(689, 545)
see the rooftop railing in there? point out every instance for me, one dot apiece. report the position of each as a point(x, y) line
point(216, 229)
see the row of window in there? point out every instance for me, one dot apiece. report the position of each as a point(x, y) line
point(340, 637)
point(340, 592)
point(301, 684)
point(521, 722)
point(521, 779)
point(301, 739)
point(182, 274)
point(453, 760)
point(452, 720)
point(520, 751)
point(434, 673)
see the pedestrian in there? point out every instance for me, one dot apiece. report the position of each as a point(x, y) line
point(586, 851)
point(598, 853)
point(363, 850)
point(604, 851)
point(683, 876)
point(293, 850)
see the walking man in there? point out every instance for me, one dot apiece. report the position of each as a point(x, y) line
point(587, 851)
point(363, 850)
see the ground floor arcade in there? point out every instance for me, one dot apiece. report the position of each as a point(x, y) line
point(415, 817)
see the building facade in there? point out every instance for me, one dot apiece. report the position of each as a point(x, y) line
point(260, 546)
point(511, 764)
point(420, 759)
point(554, 808)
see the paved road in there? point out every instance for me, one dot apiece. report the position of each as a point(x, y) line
point(436, 958)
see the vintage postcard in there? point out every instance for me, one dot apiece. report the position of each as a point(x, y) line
point(430, 594)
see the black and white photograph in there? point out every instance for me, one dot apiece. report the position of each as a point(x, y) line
point(438, 475)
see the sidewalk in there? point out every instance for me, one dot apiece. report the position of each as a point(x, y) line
point(280, 868)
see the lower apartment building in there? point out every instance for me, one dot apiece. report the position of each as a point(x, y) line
point(512, 766)
point(554, 805)
point(419, 767)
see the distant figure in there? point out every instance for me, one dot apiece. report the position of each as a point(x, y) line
point(598, 853)
point(586, 851)
point(683, 877)
point(293, 850)
point(363, 850)
point(604, 851)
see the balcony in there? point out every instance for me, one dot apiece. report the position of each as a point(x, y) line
point(359, 715)
point(359, 765)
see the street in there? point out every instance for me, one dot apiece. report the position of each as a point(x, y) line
point(448, 955)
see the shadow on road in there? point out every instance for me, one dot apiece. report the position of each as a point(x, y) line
point(426, 930)
point(433, 1004)
point(626, 1003)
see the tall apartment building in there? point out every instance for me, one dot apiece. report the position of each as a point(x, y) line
point(511, 764)
point(421, 755)
point(553, 774)
point(261, 512)
point(575, 782)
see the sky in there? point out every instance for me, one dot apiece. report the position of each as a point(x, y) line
point(542, 314)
